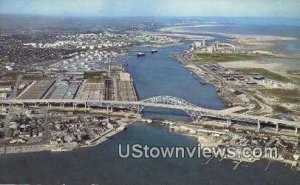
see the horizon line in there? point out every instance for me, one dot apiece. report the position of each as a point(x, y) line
point(146, 16)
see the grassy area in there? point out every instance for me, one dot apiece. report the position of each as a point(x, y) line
point(286, 96)
point(9, 78)
point(265, 73)
point(11, 75)
point(295, 75)
point(294, 72)
point(221, 57)
point(8, 83)
point(281, 109)
point(95, 76)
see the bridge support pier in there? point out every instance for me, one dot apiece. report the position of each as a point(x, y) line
point(23, 105)
point(62, 105)
point(85, 106)
point(109, 109)
point(138, 109)
point(197, 119)
point(277, 127)
point(296, 131)
point(228, 123)
point(258, 126)
point(74, 106)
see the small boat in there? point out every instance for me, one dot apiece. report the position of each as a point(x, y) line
point(140, 54)
point(154, 51)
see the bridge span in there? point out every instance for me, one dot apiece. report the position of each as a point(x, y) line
point(167, 102)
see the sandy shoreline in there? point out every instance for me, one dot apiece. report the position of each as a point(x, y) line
point(263, 38)
point(256, 43)
point(183, 35)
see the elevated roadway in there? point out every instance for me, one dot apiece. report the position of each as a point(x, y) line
point(166, 102)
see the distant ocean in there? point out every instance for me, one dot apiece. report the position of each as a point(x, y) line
point(282, 27)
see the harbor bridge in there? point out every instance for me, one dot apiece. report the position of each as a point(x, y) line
point(166, 102)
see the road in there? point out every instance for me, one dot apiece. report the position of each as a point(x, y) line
point(163, 102)
point(9, 110)
point(45, 123)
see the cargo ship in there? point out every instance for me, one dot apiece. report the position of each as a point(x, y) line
point(154, 51)
point(140, 54)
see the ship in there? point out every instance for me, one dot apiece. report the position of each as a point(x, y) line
point(140, 54)
point(154, 51)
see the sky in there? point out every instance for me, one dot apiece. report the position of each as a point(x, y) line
point(108, 8)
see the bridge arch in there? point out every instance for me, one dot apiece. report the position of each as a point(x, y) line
point(174, 101)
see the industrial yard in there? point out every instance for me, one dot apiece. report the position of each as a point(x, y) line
point(243, 86)
point(36, 90)
point(126, 88)
point(35, 128)
point(92, 85)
